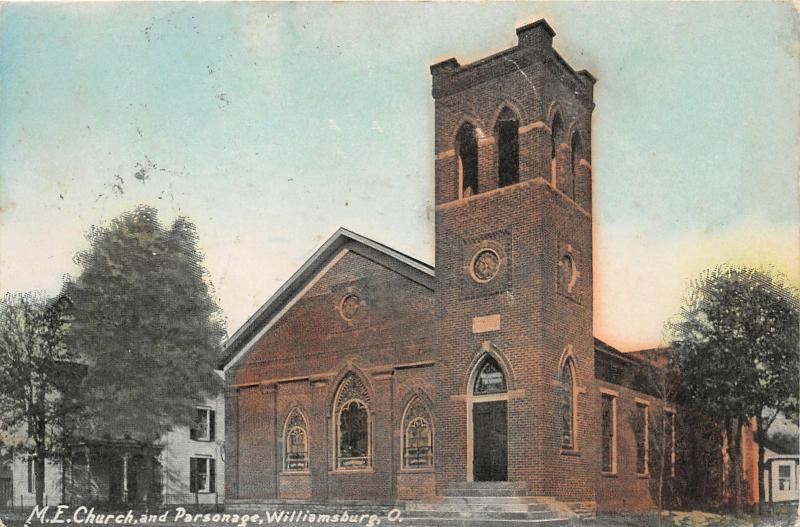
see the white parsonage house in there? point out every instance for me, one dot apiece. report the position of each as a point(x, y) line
point(186, 466)
point(780, 476)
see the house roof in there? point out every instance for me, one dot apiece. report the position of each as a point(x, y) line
point(342, 239)
point(787, 447)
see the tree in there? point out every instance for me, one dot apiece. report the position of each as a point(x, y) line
point(146, 323)
point(39, 376)
point(735, 343)
point(656, 377)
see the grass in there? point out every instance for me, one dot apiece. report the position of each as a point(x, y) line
point(784, 518)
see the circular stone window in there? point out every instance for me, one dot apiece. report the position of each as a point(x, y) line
point(349, 306)
point(485, 265)
point(568, 272)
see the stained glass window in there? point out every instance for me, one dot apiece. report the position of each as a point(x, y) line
point(418, 437)
point(490, 378)
point(296, 442)
point(353, 424)
point(567, 406)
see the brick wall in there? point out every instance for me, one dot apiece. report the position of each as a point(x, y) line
point(537, 324)
point(532, 224)
point(301, 360)
point(626, 489)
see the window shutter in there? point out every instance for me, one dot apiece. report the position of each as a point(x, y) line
point(212, 473)
point(212, 424)
point(193, 431)
point(192, 475)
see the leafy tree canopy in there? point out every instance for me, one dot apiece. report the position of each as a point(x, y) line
point(735, 343)
point(39, 375)
point(147, 325)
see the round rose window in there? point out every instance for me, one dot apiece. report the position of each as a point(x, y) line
point(350, 305)
point(485, 265)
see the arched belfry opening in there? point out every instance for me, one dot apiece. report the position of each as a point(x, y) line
point(507, 134)
point(488, 415)
point(556, 133)
point(467, 149)
point(576, 155)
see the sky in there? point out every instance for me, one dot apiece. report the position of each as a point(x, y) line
point(271, 125)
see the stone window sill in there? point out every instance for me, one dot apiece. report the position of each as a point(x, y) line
point(570, 452)
point(340, 471)
point(609, 474)
point(295, 473)
point(427, 470)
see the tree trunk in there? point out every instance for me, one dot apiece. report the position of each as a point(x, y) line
point(64, 479)
point(733, 431)
point(761, 436)
point(661, 440)
point(38, 470)
point(737, 466)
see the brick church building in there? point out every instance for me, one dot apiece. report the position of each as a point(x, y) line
point(373, 376)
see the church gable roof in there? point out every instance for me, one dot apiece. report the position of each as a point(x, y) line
point(304, 278)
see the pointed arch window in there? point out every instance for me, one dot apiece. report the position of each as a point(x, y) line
point(567, 405)
point(467, 149)
point(295, 442)
point(556, 131)
point(490, 378)
point(417, 435)
point(575, 158)
point(353, 428)
point(507, 133)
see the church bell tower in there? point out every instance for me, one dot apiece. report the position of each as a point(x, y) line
point(514, 270)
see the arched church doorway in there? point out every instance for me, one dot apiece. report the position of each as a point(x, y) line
point(488, 407)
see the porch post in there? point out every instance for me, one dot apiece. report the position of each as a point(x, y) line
point(125, 477)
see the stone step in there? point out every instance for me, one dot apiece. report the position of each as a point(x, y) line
point(482, 507)
point(446, 506)
point(518, 485)
point(480, 492)
point(490, 500)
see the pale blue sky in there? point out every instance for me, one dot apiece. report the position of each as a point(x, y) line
point(270, 125)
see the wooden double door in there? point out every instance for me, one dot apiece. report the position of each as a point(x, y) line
point(490, 441)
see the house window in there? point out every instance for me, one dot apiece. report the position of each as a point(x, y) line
point(417, 436)
point(609, 440)
point(467, 148)
point(353, 425)
point(567, 405)
point(203, 428)
point(490, 378)
point(201, 475)
point(295, 442)
point(507, 132)
point(641, 432)
point(784, 477)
